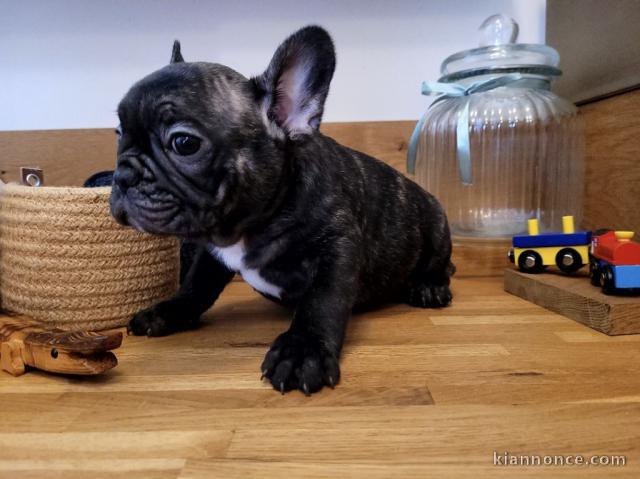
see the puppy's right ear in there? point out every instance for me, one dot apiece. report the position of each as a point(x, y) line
point(176, 56)
point(292, 91)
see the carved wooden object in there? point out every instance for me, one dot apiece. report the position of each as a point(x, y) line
point(23, 342)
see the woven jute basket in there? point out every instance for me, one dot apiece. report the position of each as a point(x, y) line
point(66, 262)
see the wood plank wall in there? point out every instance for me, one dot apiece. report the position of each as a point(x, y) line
point(612, 181)
point(68, 157)
point(612, 186)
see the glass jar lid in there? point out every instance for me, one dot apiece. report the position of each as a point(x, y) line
point(500, 54)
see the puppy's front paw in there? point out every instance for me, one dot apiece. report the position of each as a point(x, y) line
point(299, 361)
point(160, 320)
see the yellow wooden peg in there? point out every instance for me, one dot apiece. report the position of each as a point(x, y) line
point(624, 235)
point(567, 225)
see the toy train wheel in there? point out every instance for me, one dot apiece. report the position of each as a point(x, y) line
point(569, 260)
point(530, 262)
point(606, 280)
point(594, 272)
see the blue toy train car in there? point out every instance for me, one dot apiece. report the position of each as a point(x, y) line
point(569, 251)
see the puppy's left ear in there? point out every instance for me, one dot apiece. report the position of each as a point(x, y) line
point(176, 56)
point(293, 89)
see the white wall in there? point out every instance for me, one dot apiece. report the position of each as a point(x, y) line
point(67, 63)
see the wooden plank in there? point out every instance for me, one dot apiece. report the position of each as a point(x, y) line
point(123, 445)
point(385, 140)
point(68, 157)
point(612, 148)
point(424, 393)
point(612, 179)
point(95, 469)
point(241, 469)
point(475, 435)
point(479, 257)
point(577, 299)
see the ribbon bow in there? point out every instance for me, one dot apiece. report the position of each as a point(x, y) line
point(454, 90)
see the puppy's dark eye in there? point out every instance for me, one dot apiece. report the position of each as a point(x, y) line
point(185, 145)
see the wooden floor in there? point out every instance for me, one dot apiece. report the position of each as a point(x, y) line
point(424, 394)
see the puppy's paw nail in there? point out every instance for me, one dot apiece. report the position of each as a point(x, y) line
point(332, 383)
point(305, 389)
point(282, 387)
point(264, 373)
point(148, 331)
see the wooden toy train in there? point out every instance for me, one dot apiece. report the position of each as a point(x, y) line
point(613, 259)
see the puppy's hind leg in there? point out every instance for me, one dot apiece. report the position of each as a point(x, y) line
point(201, 286)
point(428, 285)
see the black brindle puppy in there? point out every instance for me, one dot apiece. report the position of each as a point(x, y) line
point(238, 167)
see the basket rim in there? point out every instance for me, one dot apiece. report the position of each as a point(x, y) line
point(53, 191)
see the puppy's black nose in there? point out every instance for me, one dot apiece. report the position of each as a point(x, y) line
point(120, 216)
point(126, 175)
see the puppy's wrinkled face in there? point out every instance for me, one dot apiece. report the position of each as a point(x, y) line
point(189, 136)
point(201, 147)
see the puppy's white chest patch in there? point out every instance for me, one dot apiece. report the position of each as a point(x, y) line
point(233, 257)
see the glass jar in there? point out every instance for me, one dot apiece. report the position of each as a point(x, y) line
point(497, 147)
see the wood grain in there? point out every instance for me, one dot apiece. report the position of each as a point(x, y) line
point(612, 174)
point(385, 140)
point(68, 157)
point(26, 342)
point(612, 180)
point(425, 393)
point(479, 256)
point(577, 299)
point(375, 470)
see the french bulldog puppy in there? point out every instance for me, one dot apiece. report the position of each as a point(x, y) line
point(238, 167)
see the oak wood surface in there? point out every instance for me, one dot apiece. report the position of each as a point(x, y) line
point(575, 298)
point(425, 393)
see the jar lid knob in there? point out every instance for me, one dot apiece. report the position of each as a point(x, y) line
point(498, 30)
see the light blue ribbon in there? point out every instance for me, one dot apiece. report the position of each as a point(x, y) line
point(454, 90)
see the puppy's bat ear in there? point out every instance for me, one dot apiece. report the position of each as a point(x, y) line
point(176, 56)
point(293, 89)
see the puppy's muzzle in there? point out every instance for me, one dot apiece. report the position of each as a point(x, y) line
point(126, 175)
point(117, 207)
